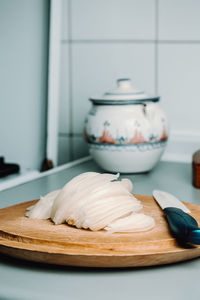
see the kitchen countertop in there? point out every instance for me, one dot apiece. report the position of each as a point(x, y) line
point(27, 280)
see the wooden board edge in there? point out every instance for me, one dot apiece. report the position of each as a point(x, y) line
point(99, 261)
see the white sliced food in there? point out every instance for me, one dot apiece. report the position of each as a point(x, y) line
point(101, 222)
point(30, 207)
point(97, 195)
point(78, 183)
point(127, 184)
point(94, 201)
point(69, 188)
point(132, 223)
point(100, 213)
point(42, 209)
point(83, 190)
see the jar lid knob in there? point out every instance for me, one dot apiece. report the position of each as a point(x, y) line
point(124, 83)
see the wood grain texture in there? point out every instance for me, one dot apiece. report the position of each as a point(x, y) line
point(42, 241)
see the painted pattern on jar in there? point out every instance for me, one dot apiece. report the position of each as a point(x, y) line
point(126, 125)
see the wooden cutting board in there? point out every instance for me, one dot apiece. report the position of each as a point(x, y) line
point(42, 241)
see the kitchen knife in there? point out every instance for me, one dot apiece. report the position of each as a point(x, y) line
point(181, 224)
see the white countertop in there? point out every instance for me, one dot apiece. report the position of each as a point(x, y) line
point(27, 280)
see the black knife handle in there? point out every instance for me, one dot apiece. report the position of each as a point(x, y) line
point(183, 225)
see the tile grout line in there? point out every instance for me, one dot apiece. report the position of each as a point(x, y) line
point(110, 41)
point(179, 42)
point(71, 150)
point(94, 41)
point(70, 135)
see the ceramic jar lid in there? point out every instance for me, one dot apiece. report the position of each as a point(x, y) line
point(124, 93)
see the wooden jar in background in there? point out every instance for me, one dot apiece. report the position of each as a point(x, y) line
point(196, 169)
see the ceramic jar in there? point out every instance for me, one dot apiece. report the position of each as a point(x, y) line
point(126, 129)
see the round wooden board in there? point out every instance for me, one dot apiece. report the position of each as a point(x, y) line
point(42, 241)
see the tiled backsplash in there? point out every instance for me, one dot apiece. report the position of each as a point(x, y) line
point(154, 42)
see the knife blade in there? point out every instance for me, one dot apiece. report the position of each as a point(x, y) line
point(181, 224)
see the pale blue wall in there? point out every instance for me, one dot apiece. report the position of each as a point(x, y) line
point(23, 80)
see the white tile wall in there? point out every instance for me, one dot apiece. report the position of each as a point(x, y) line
point(113, 19)
point(178, 83)
point(155, 42)
point(179, 20)
point(97, 66)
